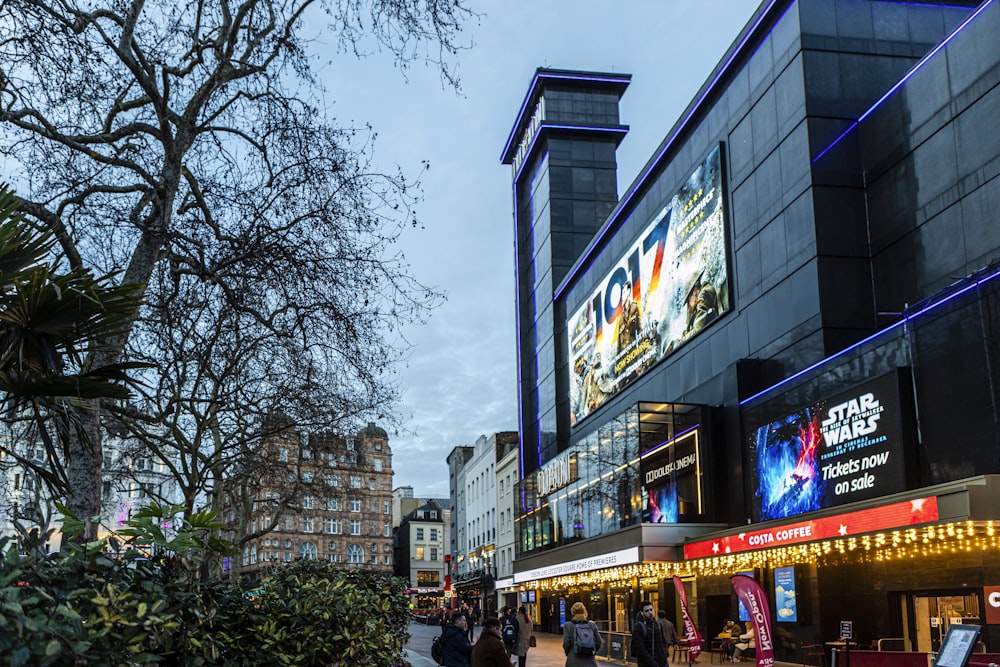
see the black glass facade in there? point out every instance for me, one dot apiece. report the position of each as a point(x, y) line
point(860, 144)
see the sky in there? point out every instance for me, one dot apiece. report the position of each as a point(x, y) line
point(459, 381)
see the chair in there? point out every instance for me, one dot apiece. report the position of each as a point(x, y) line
point(813, 651)
point(681, 650)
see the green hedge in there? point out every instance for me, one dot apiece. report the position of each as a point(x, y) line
point(86, 607)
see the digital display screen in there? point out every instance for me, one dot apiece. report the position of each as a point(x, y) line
point(531, 596)
point(524, 597)
point(785, 596)
point(671, 481)
point(669, 285)
point(836, 451)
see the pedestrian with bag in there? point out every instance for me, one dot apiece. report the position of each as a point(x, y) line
point(581, 639)
point(648, 646)
point(525, 638)
point(508, 629)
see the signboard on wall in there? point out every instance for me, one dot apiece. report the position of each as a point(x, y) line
point(670, 478)
point(670, 284)
point(786, 608)
point(836, 451)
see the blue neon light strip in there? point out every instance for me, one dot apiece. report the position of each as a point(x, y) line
point(913, 70)
point(654, 164)
point(874, 336)
point(595, 78)
point(614, 129)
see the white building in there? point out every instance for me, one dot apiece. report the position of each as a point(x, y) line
point(476, 574)
point(507, 474)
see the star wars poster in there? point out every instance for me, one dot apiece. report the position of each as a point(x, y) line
point(670, 284)
point(840, 450)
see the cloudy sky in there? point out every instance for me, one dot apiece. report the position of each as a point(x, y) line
point(460, 381)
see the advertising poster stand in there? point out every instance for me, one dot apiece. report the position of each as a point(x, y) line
point(957, 646)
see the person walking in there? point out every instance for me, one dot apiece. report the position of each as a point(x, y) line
point(669, 631)
point(581, 639)
point(456, 648)
point(648, 646)
point(489, 650)
point(508, 629)
point(524, 637)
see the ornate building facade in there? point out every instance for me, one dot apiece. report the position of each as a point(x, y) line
point(330, 497)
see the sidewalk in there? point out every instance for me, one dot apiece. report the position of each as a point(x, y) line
point(548, 653)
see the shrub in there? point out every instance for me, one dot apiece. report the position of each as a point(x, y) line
point(111, 603)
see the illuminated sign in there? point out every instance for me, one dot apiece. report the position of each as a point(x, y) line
point(898, 515)
point(613, 559)
point(841, 450)
point(670, 284)
point(672, 481)
point(785, 595)
point(992, 596)
point(529, 133)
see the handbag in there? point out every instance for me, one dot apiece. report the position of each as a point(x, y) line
point(531, 641)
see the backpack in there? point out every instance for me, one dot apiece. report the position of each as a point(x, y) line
point(509, 631)
point(583, 638)
point(437, 650)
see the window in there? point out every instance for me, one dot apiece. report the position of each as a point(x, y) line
point(374, 560)
point(371, 484)
point(355, 554)
point(434, 514)
point(378, 446)
point(253, 554)
point(288, 557)
point(282, 454)
point(307, 502)
point(434, 553)
point(355, 527)
point(332, 546)
point(420, 533)
point(386, 529)
point(378, 465)
point(307, 525)
point(307, 454)
point(307, 550)
point(373, 547)
point(350, 444)
point(288, 544)
point(419, 555)
point(388, 559)
point(307, 477)
point(355, 504)
point(434, 534)
point(355, 482)
point(332, 526)
point(386, 507)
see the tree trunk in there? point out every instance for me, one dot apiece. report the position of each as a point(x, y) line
point(83, 470)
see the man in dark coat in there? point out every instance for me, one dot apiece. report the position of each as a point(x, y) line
point(489, 650)
point(455, 645)
point(648, 647)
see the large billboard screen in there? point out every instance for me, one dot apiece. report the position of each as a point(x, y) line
point(840, 450)
point(670, 284)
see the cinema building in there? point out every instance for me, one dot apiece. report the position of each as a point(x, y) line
point(778, 350)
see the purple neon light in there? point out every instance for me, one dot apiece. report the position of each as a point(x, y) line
point(663, 444)
point(877, 334)
point(619, 129)
point(655, 162)
point(920, 63)
point(598, 78)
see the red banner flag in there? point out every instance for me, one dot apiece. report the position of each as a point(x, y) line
point(754, 600)
point(690, 631)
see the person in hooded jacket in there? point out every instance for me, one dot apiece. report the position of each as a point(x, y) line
point(456, 648)
point(524, 631)
point(648, 647)
point(489, 650)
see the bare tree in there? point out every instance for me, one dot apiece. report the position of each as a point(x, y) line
point(182, 144)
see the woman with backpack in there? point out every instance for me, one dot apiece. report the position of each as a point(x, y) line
point(523, 637)
point(581, 639)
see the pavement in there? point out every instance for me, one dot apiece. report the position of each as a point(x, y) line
point(548, 652)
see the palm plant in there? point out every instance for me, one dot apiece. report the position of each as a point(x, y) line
point(50, 321)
